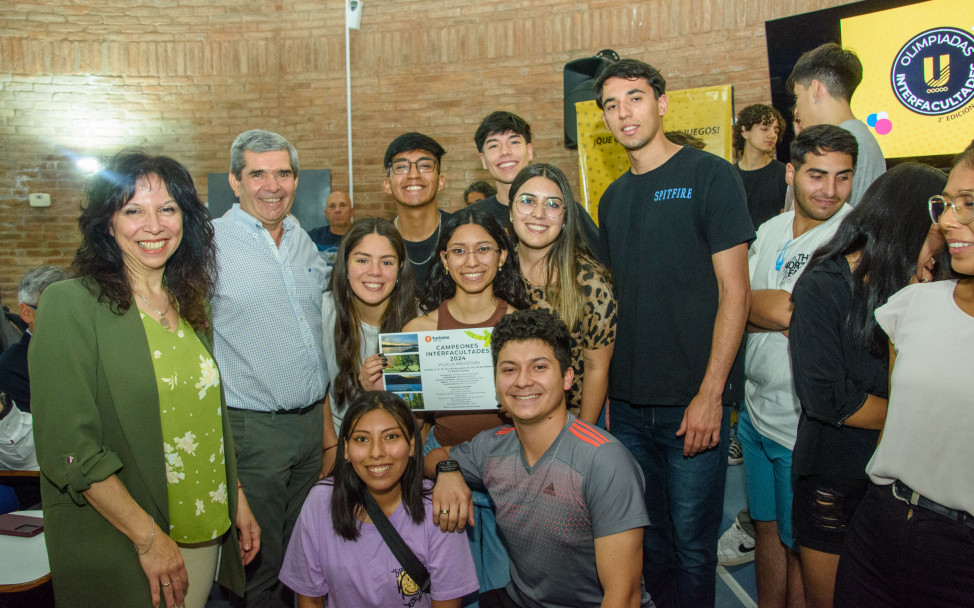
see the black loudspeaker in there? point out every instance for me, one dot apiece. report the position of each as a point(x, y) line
point(580, 76)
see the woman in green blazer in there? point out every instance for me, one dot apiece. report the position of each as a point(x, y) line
point(139, 484)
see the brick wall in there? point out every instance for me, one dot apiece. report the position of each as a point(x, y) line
point(183, 77)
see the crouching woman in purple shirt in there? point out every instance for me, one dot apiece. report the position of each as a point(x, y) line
point(337, 552)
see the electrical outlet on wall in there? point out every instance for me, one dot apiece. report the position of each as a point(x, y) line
point(40, 200)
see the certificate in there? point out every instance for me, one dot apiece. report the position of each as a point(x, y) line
point(448, 369)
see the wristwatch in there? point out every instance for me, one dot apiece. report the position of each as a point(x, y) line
point(446, 466)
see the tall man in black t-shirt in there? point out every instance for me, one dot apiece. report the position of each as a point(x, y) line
point(755, 137)
point(674, 231)
point(413, 178)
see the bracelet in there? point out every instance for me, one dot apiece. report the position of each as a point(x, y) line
point(334, 445)
point(152, 536)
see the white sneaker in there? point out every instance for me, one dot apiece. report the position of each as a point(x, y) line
point(735, 453)
point(735, 546)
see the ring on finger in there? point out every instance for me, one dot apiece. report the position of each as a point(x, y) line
point(444, 511)
point(166, 584)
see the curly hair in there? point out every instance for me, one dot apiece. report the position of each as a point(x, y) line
point(348, 497)
point(508, 284)
point(754, 114)
point(189, 273)
point(533, 324)
point(400, 306)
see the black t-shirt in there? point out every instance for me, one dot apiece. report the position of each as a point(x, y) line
point(503, 215)
point(421, 254)
point(658, 233)
point(765, 188)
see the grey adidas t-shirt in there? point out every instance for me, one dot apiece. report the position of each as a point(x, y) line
point(586, 486)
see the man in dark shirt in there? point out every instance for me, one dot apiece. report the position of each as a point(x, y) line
point(338, 212)
point(674, 231)
point(413, 179)
point(504, 142)
point(755, 137)
point(14, 376)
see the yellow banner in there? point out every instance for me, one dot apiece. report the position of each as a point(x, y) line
point(917, 91)
point(706, 113)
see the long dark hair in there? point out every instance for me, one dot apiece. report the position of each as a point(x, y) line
point(568, 252)
point(889, 227)
point(191, 270)
point(400, 307)
point(348, 498)
point(508, 284)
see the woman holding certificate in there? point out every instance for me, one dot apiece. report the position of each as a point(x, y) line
point(562, 274)
point(371, 291)
point(475, 284)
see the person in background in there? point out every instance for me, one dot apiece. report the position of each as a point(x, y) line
point(477, 191)
point(138, 467)
point(911, 540)
point(823, 82)
point(371, 292)
point(14, 375)
point(338, 553)
point(561, 274)
point(755, 137)
point(339, 213)
point(682, 138)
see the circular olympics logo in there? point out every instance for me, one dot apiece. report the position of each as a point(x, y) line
point(933, 73)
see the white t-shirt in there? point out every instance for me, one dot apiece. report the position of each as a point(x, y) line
point(928, 439)
point(776, 261)
point(369, 345)
point(17, 441)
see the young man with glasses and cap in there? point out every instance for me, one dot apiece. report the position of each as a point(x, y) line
point(414, 180)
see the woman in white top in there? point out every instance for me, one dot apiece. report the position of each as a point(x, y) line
point(911, 542)
point(371, 291)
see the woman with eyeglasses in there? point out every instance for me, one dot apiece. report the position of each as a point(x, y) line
point(839, 358)
point(561, 274)
point(911, 542)
point(476, 282)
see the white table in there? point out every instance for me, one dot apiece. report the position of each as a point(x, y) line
point(27, 566)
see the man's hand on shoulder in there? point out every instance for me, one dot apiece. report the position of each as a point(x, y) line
point(452, 500)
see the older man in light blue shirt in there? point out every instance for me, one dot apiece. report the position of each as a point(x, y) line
point(267, 340)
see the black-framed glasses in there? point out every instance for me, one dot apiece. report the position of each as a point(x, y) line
point(526, 204)
point(484, 253)
point(962, 203)
point(423, 165)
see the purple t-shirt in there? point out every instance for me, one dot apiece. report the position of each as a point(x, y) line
point(365, 572)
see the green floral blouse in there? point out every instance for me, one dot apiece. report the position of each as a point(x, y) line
point(192, 432)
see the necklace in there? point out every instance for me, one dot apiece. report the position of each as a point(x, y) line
point(162, 315)
point(439, 221)
point(517, 468)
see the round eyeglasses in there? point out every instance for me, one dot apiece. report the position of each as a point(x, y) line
point(962, 203)
point(526, 204)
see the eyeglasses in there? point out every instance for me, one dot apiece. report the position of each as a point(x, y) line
point(962, 203)
point(402, 167)
point(526, 204)
point(484, 253)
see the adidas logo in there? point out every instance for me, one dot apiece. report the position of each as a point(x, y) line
point(549, 489)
